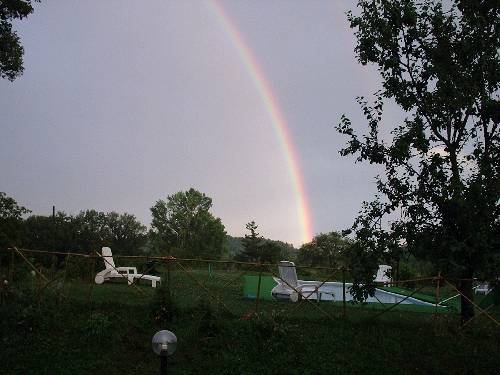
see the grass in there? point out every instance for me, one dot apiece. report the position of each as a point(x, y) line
point(108, 328)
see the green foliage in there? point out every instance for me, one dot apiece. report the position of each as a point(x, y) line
point(397, 342)
point(97, 327)
point(209, 321)
point(184, 225)
point(252, 244)
point(48, 233)
point(440, 63)
point(11, 50)
point(234, 246)
point(271, 325)
point(325, 249)
point(87, 231)
point(163, 309)
point(10, 221)
point(79, 268)
point(258, 249)
point(125, 233)
point(271, 251)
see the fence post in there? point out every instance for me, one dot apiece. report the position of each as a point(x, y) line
point(55, 260)
point(343, 292)
point(66, 261)
point(11, 273)
point(91, 280)
point(437, 294)
point(39, 285)
point(258, 290)
point(168, 276)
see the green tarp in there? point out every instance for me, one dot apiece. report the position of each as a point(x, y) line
point(250, 286)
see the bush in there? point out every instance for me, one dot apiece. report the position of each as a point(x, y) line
point(163, 308)
point(208, 325)
point(270, 325)
point(97, 327)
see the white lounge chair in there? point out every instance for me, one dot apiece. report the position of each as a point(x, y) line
point(382, 276)
point(483, 288)
point(290, 287)
point(128, 273)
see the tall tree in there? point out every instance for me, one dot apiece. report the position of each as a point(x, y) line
point(439, 61)
point(44, 233)
point(325, 249)
point(91, 232)
point(11, 50)
point(271, 251)
point(125, 233)
point(184, 224)
point(252, 243)
point(10, 221)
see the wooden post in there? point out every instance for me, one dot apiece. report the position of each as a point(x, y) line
point(343, 292)
point(39, 286)
point(437, 294)
point(64, 276)
point(11, 272)
point(91, 281)
point(258, 290)
point(169, 260)
point(54, 257)
point(168, 276)
point(54, 228)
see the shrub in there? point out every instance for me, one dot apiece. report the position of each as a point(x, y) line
point(97, 327)
point(163, 308)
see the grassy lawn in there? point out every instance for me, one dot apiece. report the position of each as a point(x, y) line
point(108, 328)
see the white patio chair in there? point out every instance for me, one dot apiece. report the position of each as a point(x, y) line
point(483, 288)
point(290, 287)
point(128, 273)
point(381, 276)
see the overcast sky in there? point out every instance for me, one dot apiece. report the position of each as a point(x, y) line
point(125, 102)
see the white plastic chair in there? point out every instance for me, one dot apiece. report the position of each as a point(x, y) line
point(382, 276)
point(483, 288)
point(129, 273)
point(290, 287)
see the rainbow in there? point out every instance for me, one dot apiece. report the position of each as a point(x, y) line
point(277, 119)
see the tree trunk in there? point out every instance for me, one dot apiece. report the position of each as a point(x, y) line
point(465, 288)
point(465, 285)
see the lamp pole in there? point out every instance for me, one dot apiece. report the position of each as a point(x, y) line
point(164, 344)
point(163, 365)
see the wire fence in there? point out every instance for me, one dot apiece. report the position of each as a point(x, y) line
point(238, 290)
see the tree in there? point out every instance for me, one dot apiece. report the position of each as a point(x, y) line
point(47, 233)
point(271, 251)
point(252, 244)
point(325, 249)
point(11, 50)
point(441, 65)
point(91, 231)
point(234, 247)
point(10, 220)
point(184, 224)
point(125, 233)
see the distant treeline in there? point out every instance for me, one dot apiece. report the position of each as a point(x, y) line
point(182, 226)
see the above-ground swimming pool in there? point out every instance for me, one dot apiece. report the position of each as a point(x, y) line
point(329, 291)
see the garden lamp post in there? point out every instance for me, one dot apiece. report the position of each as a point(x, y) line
point(164, 344)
